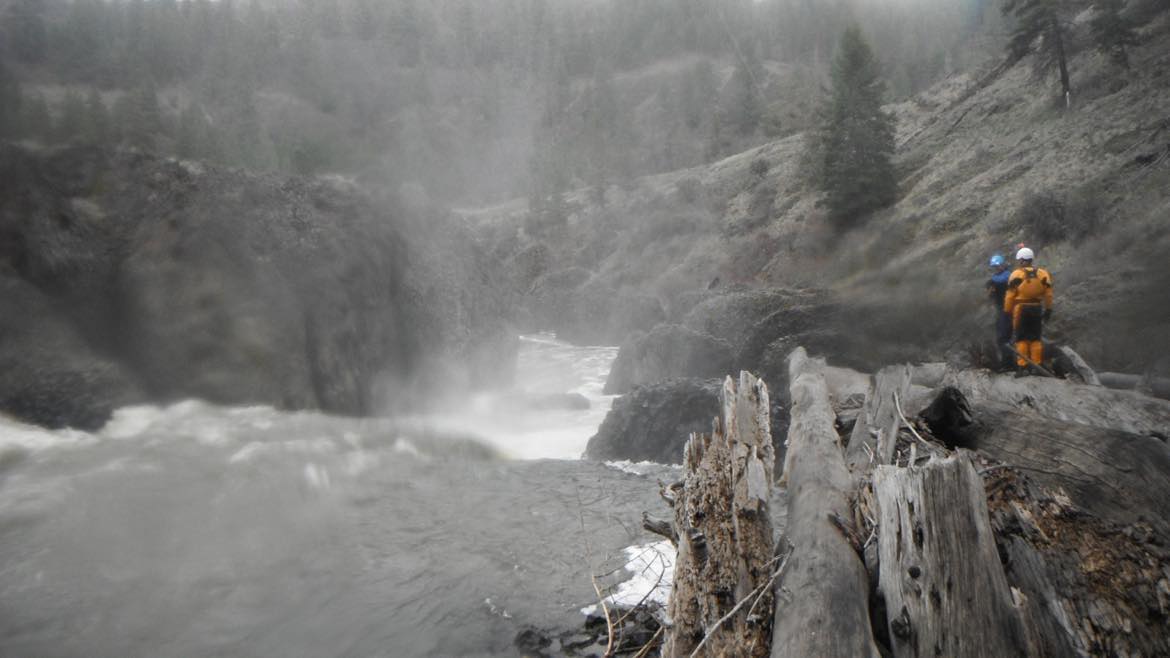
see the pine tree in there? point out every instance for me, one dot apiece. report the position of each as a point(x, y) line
point(70, 125)
point(746, 108)
point(139, 117)
point(97, 120)
point(1041, 24)
point(856, 138)
point(1112, 32)
point(26, 30)
point(10, 101)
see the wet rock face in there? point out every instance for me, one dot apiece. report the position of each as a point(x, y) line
point(50, 376)
point(669, 351)
point(242, 288)
point(652, 423)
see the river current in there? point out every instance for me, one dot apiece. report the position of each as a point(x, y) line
point(195, 530)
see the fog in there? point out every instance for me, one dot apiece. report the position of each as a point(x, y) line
point(468, 99)
point(374, 327)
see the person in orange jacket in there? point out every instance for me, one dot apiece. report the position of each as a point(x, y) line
point(1029, 301)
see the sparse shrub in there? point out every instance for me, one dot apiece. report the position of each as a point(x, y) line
point(689, 189)
point(759, 167)
point(663, 225)
point(1050, 218)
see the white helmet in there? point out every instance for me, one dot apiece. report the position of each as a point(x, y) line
point(1025, 254)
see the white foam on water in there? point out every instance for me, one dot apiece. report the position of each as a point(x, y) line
point(513, 421)
point(17, 436)
point(652, 566)
point(640, 468)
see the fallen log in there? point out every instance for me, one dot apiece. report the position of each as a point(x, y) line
point(722, 598)
point(822, 602)
point(1061, 400)
point(1114, 474)
point(1076, 366)
point(1156, 386)
point(940, 575)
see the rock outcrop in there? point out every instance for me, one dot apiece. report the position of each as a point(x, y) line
point(667, 352)
point(652, 423)
point(194, 281)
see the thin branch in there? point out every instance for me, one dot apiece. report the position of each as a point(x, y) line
point(608, 620)
point(757, 593)
point(650, 643)
point(902, 415)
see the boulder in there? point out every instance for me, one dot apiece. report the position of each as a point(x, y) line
point(51, 376)
point(669, 351)
point(653, 422)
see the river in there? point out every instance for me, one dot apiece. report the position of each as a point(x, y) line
point(196, 530)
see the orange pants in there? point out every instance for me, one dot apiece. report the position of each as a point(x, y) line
point(1028, 325)
point(1033, 349)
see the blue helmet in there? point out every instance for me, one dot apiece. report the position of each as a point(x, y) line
point(996, 261)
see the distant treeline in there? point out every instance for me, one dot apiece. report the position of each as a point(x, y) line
point(468, 97)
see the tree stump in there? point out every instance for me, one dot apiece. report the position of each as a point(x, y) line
point(722, 597)
point(944, 587)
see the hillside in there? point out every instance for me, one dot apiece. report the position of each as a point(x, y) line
point(986, 160)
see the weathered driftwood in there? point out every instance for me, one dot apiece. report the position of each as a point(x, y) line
point(845, 385)
point(876, 429)
point(944, 587)
point(929, 375)
point(822, 603)
point(1116, 475)
point(1061, 400)
point(722, 597)
point(1083, 585)
point(1078, 369)
point(1156, 386)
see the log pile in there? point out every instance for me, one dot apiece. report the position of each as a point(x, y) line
point(988, 516)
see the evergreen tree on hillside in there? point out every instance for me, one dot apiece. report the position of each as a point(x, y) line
point(1112, 32)
point(37, 123)
point(70, 125)
point(97, 120)
point(1042, 27)
point(746, 109)
point(139, 117)
point(856, 137)
point(25, 30)
point(10, 98)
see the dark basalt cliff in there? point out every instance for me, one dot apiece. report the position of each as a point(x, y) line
point(127, 277)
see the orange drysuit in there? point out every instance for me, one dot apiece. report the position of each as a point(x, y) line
point(1029, 295)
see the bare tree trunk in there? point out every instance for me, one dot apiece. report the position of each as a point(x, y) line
point(1061, 400)
point(722, 598)
point(822, 603)
point(1061, 59)
point(1157, 386)
point(1077, 365)
point(944, 587)
point(1116, 475)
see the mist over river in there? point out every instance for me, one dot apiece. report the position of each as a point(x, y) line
point(196, 530)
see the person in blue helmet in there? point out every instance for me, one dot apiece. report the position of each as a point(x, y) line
point(997, 287)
